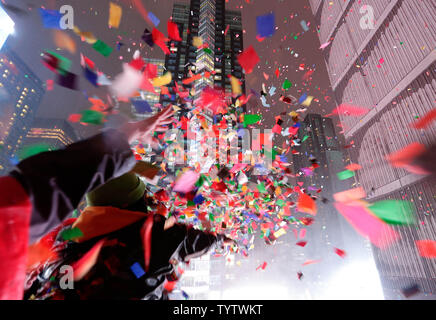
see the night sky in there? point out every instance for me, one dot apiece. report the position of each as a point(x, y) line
point(31, 39)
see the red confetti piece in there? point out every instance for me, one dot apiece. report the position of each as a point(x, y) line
point(311, 262)
point(404, 158)
point(74, 117)
point(306, 204)
point(262, 266)
point(159, 39)
point(425, 121)
point(50, 85)
point(170, 285)
point(84, 265)
point(350, 110)
point(248, 59)
point(302, 243)
point(340, 252)
point(173, 31)
point(353, 167)
point(307, 221)
point(426, 248)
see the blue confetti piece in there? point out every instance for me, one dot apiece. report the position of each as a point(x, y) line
point(265, 25)
point(199, 199)
point(304, 25)
point(302, 98)
point(142, 106)
point(154, 19)
point(91, 76)
point(51, 19)
point(185, 295)
point(137, 270)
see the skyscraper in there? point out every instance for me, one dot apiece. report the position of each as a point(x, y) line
point(21, 92)
point(221, 35)
point(389, 69)
point(56, 133)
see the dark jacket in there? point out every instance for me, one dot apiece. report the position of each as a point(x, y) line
point(112, 276)
point(44, 189)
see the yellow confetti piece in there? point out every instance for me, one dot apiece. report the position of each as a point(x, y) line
point(278, 191)
point(64, 41)
point(115, 13)
point(279, 233)
point(163, 80)
point(236, 85)
point(308, 101)
point(197, 42)
point(86, 36)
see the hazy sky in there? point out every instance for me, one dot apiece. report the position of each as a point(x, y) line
point(31, 39)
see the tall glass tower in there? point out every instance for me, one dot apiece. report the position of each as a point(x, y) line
point(222, 36)
point(21, 92)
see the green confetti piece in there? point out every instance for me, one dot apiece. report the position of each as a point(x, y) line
point(261, 188)
point(287, 84)
point(305, 138)
point(344, 175)
point(200, 181)
point(75, 213)
point(394, 212)
point(64, 63)
point(92, 117)
point(102, 48)
point(207, 50)
point(33, 150)
point(191, 204)
point(271, 155)
point(280, 203)
point(251, 119)
point(70, 234)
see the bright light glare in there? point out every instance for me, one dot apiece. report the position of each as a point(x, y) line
point(6, 26)
point(257, 293)
point(355, 281)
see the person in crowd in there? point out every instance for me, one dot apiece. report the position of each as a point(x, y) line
point(41, 191)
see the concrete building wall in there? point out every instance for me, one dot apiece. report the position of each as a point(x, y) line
point(390, 70)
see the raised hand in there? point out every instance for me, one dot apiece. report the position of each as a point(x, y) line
point(143, 131)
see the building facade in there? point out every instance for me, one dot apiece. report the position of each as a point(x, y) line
point(391, 70)
point(319, 145)
point(56, 133)
point(221, 35)
point(21, 92)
